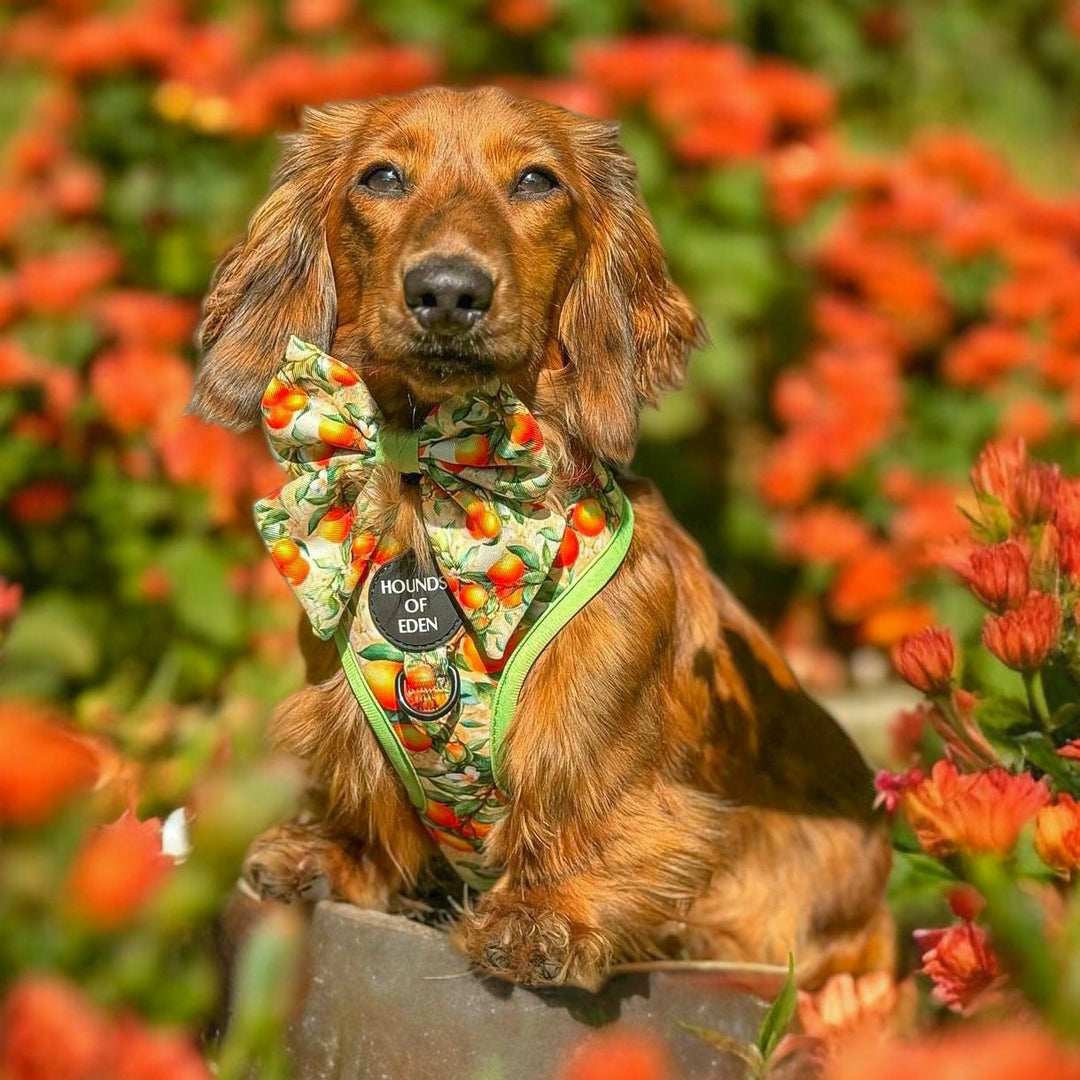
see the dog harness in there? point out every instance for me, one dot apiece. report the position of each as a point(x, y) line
point(436, 648)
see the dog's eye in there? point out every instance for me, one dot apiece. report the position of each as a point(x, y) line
point(383, 180)
point(534, 182)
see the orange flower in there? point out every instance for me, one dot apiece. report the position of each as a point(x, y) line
point(146, 318)
point(1004, 477)
point(56, 284)
point(975, 812)
point(522, 16)
point(1029, 418)
point(986, 354)
point(1023, 639)
point(870, 580)
point(619, 1054)
point(965, 971)
point(886, 625)
point(868, 1006)
point(1057, 834)
point(824, 533)
point(194, 452)
point(971, 1052)
point(926, 659)
point(797, 98)
point(139, 387)
point(998, 575)
point(1071, 750)
point(316, 16)
point(49, 1031)
point(139, 1053)
point(117, 870)
point(43, 763)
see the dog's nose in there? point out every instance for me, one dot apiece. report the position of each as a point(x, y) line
point(448, 295)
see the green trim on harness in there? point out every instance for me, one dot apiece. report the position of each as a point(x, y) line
point(540, 634)
point(379, 721)
point(538, 637)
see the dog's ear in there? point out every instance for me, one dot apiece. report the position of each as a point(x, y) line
point(625, 327)
point(274, 282)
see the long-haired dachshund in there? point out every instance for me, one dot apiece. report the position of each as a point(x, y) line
point(670, 790)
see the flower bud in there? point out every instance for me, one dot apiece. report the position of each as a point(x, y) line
point(1057, 835)
point(1026, 489)
point(998, 575)
point(1024, 638)
point(926, 659)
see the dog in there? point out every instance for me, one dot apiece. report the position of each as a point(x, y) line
point(672, 792)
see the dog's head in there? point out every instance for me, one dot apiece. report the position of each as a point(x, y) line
point(435, 239)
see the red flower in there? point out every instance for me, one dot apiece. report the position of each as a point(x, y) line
point(906, 732)
point(10, 600)
point(119, 867)
point(620, 1054)
point(998, 575)
point(890, 786)
point(41, 502)
point(976, 812)
point(926, 659)
point(1023, 639)
point(1057, 835)
point(49, 1031)
point(43, 764)
point(964, 969)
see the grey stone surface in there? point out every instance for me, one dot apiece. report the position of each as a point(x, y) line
point(389, 999)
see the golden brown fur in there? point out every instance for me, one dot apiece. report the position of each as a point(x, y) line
point(674, 792)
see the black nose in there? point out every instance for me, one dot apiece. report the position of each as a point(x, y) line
point(448, 295)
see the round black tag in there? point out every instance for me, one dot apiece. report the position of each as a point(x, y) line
point(412, 610)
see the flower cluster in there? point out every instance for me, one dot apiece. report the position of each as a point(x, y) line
point(943, 283)
point(1007, 785)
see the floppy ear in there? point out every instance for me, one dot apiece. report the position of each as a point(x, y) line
point(625, 327)
point(274, 282)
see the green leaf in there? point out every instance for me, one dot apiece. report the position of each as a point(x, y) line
point(382, 651)
point(1041, 752)
point(202, 596)
point(313, 521)
point(1018, 925)
point(746, 1052)
point(778, 1019)
point(998, 714)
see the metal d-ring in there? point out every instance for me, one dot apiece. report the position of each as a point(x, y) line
point(413, 714)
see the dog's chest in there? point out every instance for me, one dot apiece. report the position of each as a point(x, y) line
point(439, 707)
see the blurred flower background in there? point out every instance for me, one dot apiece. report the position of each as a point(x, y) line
point(873, 203)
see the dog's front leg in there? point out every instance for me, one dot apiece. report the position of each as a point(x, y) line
point(599, 889)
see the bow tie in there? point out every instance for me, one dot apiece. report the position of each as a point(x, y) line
point(483, 473)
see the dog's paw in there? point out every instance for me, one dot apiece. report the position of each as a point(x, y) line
point(293, 864)
point(535, 947)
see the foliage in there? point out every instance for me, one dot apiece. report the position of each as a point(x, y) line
point(881, 298)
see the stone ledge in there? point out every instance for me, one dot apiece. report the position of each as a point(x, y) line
point(389, 999)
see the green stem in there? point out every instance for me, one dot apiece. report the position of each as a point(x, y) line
point(1037, 698)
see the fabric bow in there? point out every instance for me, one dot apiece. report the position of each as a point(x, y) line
point(483, 474)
